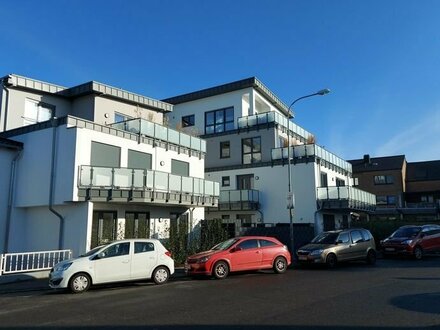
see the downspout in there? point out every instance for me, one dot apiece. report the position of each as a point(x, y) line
point(191, 233)
point(5, 114)
point(10, 198)
point(52, 184)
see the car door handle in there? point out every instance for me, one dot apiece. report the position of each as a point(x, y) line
point(125, 261)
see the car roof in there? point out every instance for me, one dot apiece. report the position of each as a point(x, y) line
point(256, 237)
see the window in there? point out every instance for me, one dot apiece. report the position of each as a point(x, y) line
point(179, 168)
point(245, 182)
point(324, 182)
point(340, 182)
point(225, 149)
point(386, 200)
point(116, 250)
point(251, 150)
point(119, 117)
point(356, 236)
point(188, 121)
point(383, 179)
point(355, 182)
point(35, 112)
point(137, 159)
point(141, 247)
point(248, 244)
point(266, 243)
point(366, 235)
point(344, 238)
point(219, 121)
point(105, 155)
point(137, 225)
point(226, 182)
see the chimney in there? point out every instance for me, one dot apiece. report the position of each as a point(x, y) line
point(367, 159)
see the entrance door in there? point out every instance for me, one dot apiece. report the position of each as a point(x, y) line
point(103, 227)
point(137, 225)
point(329, 222)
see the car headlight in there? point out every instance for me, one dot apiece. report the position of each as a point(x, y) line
point(316, 252)
point(407, 242)
point(203, 260)
point(62, 268)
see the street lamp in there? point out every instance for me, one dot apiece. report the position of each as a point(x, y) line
point(290, 196)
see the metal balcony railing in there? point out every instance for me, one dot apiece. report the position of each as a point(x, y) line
point(139, 179)
point(239, 199)
point(307, 150)
point(153, 130)
point(346, 193)
point(272, 117)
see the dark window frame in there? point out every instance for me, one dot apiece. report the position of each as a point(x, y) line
point(387, 179)
point(225, 144)
point(224, 179)
point(252, 152)
point(216, 123)
point(188, 120)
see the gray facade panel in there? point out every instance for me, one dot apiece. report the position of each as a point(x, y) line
point(105, 155)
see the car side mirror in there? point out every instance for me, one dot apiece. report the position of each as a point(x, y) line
point(237, 249)
point(99, 256)
point(339, 241)
point(422, 235)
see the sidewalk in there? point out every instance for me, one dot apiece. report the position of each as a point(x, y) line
point(29, 282)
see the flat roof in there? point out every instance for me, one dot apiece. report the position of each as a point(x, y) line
point(231, 87)
point(91, 87)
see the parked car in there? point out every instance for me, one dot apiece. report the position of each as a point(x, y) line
point(124, 260)
point(240, 254)
point(412, 241)
point(336, 246)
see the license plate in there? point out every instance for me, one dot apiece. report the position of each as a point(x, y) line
point(302, 257)
point(389, 249)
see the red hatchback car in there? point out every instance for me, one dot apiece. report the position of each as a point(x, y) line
point(240, 254)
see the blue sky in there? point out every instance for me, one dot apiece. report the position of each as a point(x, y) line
point(379, 58)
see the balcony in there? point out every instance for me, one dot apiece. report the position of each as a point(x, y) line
point(147, 128)
point(304, 152)
point(145, 186)
point(345, 197)
point(272, 117)
point(239, 200)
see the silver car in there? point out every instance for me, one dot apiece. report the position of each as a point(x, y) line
point(336, 246)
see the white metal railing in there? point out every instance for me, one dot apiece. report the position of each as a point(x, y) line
point(346, 193)
point(23, 262)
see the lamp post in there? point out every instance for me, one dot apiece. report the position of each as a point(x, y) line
point(290, 196)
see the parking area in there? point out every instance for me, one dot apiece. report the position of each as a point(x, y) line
point(396, 293)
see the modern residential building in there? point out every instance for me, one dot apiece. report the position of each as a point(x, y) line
point(246, 129)
point(91, 163)
point(404, 190)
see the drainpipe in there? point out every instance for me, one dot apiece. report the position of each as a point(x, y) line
point(6, 82)
point(52, 184)
point(10, 198)
point(191, 218)
point(316, 217)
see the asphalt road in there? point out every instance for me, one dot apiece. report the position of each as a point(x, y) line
point(393, 294)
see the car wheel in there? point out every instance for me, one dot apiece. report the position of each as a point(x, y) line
point(418, 253)
point(221, 270)
point(80, 283)
point(371, 257)
point(331, 260)
point(280, 265)
point(161, 275)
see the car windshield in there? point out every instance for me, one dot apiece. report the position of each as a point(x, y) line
point(225, 245)
point(406, 232)
point(93, 251)
point(326, 238)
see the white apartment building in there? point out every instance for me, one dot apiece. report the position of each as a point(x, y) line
point(245, 126)
point(92, 163)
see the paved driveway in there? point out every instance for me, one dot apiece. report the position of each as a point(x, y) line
point(393, 294)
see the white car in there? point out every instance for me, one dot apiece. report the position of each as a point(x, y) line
point(124, 260)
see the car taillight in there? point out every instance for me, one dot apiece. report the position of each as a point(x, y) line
point(168, 253)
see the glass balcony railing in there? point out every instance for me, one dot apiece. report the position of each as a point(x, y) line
point(153, 130)
point(272, 117)
point(138, 179)
point(307, 150)
point(346, 193)
point(233, 196)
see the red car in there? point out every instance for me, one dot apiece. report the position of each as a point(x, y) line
point(240, 254)
point(412, 241)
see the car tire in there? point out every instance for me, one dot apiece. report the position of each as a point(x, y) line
point(331, 260)
point(280, 265)
point(418, 253)
point(220, 270)
point(161, 275)
point(371, 257)
point(80, 283)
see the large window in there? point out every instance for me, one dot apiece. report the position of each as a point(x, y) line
point(137, 225)
point(105, 155)
point(179, 168)
point(383, 179)
point(386, 200)
point(218, 121)
point(119, 117)
point(251, 150)
point(324, 181)
point(225, 149)
point(188, 121)
point(35, 112)
point(137, 159)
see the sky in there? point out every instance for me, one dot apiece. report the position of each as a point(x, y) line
point(378, 58)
